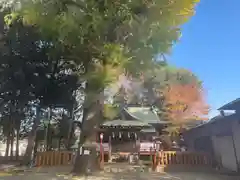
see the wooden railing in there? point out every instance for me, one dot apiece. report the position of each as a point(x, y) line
point(180, 158)
point(54, 158)
point(57, 158)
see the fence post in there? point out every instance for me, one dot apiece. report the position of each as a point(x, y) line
point(154, 160)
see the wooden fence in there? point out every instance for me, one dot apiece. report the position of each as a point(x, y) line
point(180, 158)
point(57, 158)
point(54, 158)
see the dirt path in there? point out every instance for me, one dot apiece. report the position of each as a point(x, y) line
point(121, 173)
point(119, 176)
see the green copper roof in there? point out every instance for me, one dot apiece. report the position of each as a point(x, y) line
point(148, 130)
point(143, 114)
point(126, 123)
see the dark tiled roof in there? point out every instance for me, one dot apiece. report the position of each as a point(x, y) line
point(218, 118)
point(233, 105)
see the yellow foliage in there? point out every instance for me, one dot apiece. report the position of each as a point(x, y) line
point(110, 111)
point(185, 103)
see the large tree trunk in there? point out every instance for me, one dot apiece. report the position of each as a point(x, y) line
point(9, 128)
point(12, 139)
point(31, 140)
point(91, 119)
point(59, 143)
point(85, 163)
point(48, 133)
point(12, 146)
point(70, 131)
point(35, 148)
point(7, 145)
point(48, 137)
point(80, 162)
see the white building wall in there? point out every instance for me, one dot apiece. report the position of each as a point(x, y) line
point(236, 137)
point(224, 147)
point(224, 152)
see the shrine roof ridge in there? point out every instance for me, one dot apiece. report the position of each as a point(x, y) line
point(144, 114)
point(126, 123)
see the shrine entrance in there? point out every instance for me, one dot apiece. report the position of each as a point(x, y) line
point(125, 137)
point(132, 133)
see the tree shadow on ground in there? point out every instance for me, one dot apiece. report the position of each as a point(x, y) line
point(142, 173)
point(116, 172)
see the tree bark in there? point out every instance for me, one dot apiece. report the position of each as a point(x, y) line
point(7, 146)
point(49, 134)
point(12, 139)
point(31, 140)
point(70, 130)
point(85, 163)
point(80, 162)
point(12, 146)
point(35, 148)
point(48, 137)
point(92, 117)
point(87, 130)
point(59, 143)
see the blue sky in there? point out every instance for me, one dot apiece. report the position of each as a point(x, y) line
point(210, 48)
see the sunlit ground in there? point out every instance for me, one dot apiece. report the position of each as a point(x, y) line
point(121, 173)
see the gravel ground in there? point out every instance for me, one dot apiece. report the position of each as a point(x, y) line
point(120, 176)
point(120, 173)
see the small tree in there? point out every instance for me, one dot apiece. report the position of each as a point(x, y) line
point(185, 103)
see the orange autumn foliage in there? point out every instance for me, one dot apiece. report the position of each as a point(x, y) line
point(185, 103)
